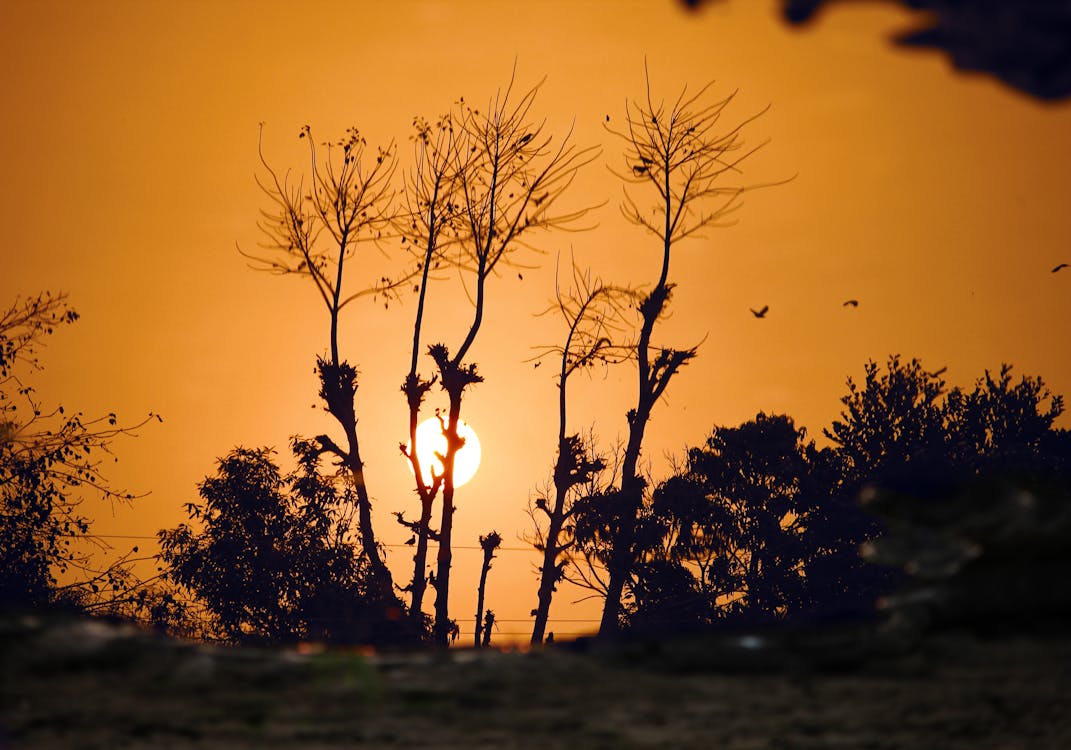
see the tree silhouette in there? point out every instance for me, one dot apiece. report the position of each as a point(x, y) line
point(940, 467)
point(892, 430)
point(680, 154)
point(593, 313)
point(489, 544)
point(738, 515)
point(316, 231)
point(903, 431)
point(271, 558)
point(956, 489)
point(980, 526)
point(509, 182)
point(430, 222)
point(50, 460)
point(1003, 427)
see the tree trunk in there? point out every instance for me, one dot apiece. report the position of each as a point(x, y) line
point(419, 583)
point(445, 556)
point(488, 553)
point(548, 576)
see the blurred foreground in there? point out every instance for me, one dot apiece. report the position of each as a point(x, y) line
point(90, 684)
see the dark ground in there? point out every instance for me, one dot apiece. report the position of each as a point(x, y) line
point(79, 684)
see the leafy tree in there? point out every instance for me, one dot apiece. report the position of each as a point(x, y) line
point(982, 535)
point(272, 557)
point(892, 430)
point(678, 153)
point(757, 481)
point(1003, 426)
point(732, 530)
point(50, 462)
point(761, 525)
point(927, 463)
point(902, 430)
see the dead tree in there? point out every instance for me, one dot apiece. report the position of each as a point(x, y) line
point(489, 543)
point(510, 179)
point(316, 230)
point(682, 155)
point(593, 313)
point(428, 226)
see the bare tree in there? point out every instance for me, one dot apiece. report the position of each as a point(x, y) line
point(430, 223)
point(681, 154)
point(593, 313)
point(50, 459)
point(316, 231)
point(510, 179)
point(489, 544)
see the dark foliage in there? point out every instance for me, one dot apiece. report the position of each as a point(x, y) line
point(760, 525)
point(274, 559)
point(748, 531)
point(50, 464)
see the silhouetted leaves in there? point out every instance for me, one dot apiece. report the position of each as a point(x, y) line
point(273, 557)
point(49, 465)
point(958, 489)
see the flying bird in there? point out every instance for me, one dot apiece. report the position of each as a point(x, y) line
point(607, 118)
point(1062, 265)
point(760, 313)
point(851, 303)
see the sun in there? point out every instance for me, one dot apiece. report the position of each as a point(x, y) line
point(430, 439)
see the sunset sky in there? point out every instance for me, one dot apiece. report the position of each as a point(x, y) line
point(940, 201)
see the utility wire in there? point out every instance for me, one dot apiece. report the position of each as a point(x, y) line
point(453, 546)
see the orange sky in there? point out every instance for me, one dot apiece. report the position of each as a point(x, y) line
point(129, 137)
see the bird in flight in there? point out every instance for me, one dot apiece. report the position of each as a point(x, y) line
point(851, 303)
point(1062, 265)
point(760, 313)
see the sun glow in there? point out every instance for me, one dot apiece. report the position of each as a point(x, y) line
point(430, 440)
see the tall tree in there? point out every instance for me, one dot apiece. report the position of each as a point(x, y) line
point(593, 313)
point(509, 181)
point(429, 223)
point(316, 231)
point(679, 153)
point(50, 463)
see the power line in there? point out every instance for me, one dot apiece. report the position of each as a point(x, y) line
point(453, 546)
point(523, 632)
point(552, 619)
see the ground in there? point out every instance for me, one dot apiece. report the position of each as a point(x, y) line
point(85, 684)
